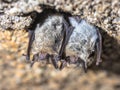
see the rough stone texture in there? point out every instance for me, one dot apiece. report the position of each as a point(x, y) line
point(102, 13)
point(16, 73)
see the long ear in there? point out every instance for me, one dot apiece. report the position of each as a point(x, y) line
point(31, 39)
point(67, 33)
point(99, 47)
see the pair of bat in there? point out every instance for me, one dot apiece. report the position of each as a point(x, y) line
point(68, 30)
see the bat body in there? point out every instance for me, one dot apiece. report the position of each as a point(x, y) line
point(84, 43)
point(48, 37)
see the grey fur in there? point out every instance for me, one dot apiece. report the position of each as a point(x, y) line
point(49, 35)
point(82, 41)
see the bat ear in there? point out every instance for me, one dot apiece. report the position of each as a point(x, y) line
point(73, 21)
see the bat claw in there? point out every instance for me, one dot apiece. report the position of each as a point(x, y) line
point(63, 64)
point(84, 65)
point(27, 57)
point(55, 60)
point(98, 62)
point(32, 63)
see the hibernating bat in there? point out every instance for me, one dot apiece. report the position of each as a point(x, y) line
point(84, 45)
point(64, 38)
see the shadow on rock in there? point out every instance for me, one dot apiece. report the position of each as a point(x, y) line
point(110, 55)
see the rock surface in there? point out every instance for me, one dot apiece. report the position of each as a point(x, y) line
point(102, 13)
